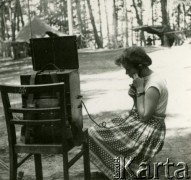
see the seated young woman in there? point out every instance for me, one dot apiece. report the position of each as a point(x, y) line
point(140, 136)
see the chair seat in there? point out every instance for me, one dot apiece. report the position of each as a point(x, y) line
point(56, 148)
point(21, 147)
point(39, 148)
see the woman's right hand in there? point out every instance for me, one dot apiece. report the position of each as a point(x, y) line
point(132, 91)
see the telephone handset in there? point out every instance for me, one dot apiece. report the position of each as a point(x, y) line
point(135, 76)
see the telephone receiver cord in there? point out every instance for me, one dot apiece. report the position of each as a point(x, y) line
point(103, 124)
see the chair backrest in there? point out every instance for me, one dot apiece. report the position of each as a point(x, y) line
point(15, 112)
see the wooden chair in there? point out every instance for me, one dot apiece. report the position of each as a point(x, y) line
point(16, 147)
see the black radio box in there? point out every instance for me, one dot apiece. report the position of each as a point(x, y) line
point(73, 104)
point(61, 51)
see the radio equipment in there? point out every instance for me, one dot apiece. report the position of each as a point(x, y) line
point(62, 52)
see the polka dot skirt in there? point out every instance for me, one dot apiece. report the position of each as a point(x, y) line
point(130, 138)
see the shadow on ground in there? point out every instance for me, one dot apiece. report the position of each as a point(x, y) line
point(175, 149)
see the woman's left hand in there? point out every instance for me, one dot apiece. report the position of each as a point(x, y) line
point(132, 91)
point(138, 83)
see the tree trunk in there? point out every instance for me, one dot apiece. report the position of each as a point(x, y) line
point(97, 39)
point(100, 22)
point(64, 15)
point(7, 35)
point(16, 19)
point(132, 32)
point(17, 24)
point(152, 9)
point(20, 13)
point(126, 34)
point(143, 41)
point(165, 23)
point(178, 17)
point(70, 16)
point(17, 16)
point(114, 38)
point(139, 19)
point(84, 17)
point(164, 12)
point(13, 22)
point(78, 9)
point(2, 20)
point(10, 17)
point(184, 10)
point(107, 24)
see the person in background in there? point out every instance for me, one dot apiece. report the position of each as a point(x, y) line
point(149, 41)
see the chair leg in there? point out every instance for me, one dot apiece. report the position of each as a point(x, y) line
point(38, 166)
point(87, 175)
point(65, 164)
point(13, 166)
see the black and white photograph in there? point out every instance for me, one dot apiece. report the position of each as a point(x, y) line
point(95, 89)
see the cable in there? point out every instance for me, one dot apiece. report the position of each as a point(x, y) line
point(103, 124)
point(90, 115)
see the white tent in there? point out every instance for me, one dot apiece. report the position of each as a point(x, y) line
point(36, 29)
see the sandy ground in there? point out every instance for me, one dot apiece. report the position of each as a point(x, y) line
point(105, 95)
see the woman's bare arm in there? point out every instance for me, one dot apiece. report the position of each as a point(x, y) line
point(146, 104)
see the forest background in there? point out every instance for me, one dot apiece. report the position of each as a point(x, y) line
point(102, 23)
